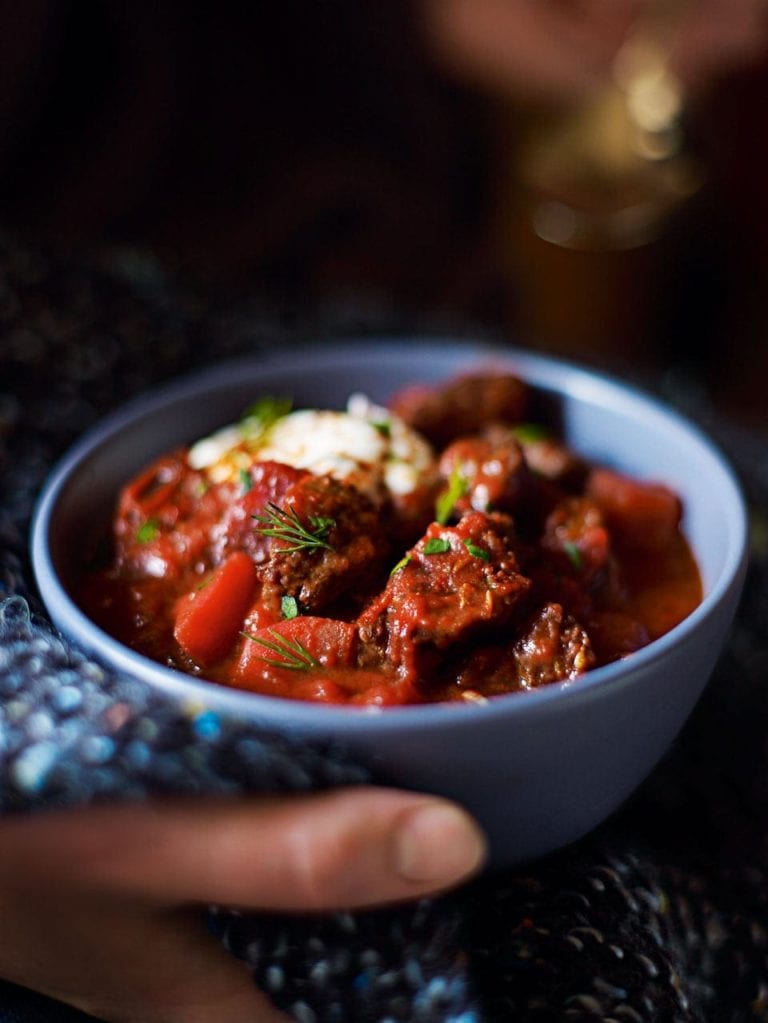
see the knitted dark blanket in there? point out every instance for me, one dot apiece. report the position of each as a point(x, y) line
point(659, 917)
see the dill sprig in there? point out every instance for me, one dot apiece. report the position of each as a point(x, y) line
point(285, 524)
point(293, 655)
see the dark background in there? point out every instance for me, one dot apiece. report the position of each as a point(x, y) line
point(312, 151)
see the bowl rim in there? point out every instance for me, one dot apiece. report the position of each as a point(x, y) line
point(545, 371)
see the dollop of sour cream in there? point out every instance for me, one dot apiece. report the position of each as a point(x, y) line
point(366, 445)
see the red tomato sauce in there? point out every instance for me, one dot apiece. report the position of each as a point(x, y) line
point(513, 563)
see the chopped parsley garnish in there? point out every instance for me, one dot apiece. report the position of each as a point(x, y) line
point(405, 560)
point(529, 433)
point(437, 545)
point(246, 480)
point(293, 655)
point(148, 531)
point(475, 551)
point(457, 488)
point(574, 554)
point(384, 426)
point(264, 413)
point(289, 607)
point(285, 524)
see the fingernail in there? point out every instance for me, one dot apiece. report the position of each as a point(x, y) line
point(438, 843)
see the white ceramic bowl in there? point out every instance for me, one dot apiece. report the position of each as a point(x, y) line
point(538, 769)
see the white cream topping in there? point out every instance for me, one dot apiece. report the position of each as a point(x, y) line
point(324, 442)
point(366, 445)
point(210, 450)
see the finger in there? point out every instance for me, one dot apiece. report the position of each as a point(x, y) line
point(346, 848)
point(517, 48)
point(189, 978)
point(717, 36)
point(127, 966)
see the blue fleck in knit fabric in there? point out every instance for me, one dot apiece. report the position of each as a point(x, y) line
point(660, 917)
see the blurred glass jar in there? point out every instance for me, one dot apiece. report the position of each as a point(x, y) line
point(603, 175)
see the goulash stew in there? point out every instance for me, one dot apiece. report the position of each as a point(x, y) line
point(446, 548)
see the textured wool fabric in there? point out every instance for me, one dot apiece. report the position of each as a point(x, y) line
point(659, 917)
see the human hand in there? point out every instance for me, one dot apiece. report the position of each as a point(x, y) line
point(564, 49)
point(103, 908)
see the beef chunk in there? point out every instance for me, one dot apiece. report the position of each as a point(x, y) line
point(456, 583)
point(349, 560)
point(554, 648)
point(553, 461)
point(547, 457)
point(463, 406)
point(576, 538)
point(264, 484)
point(551, 647)
point(494, 471)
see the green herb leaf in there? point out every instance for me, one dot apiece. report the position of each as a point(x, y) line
point(475, 551)
point(384, 426)
point(437, 545)
point(246, 480)
point(285, 524)
point(293, 655)
point(457, 488)
point(148, 531)
point(289, 607)
point(529, 433)
point(406, 560)
point(574, 554)
point(264, 413)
